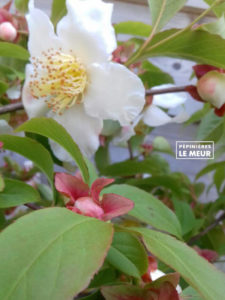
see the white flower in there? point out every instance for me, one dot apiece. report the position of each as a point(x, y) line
point(155, 116)
point(71, 78)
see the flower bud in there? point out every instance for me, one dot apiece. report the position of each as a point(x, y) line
point(211, 88)
point(7, 32)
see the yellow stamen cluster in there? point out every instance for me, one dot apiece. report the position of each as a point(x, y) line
point(59, 78)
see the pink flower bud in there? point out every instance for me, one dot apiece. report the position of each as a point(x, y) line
point(211, 88)
point(7, 32)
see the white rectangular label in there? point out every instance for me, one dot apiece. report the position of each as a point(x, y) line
point(194, 150)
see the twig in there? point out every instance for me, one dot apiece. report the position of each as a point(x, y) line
point(33, 206)
point(177, 89)
point(10, 108)
point(207, 229)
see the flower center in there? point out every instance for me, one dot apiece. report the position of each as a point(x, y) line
point(60, 78)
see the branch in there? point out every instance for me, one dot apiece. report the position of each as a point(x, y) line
point(33, 206)
point(10, 108)
point(207, 229)
point(177, 89)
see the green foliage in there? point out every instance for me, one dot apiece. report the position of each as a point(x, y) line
point(219, 9)
point(153, 76)
point(155, 164)
point(133, 28)
point(190, 294)
point(31, 150)
point(160, 144)
point(185, 215)
point(67, 248)
point(210, 168)
point(102, 159)
point(13, 50)
point(3, 87)
point(163, 10)
point(195, 45)
point(211, 127)
point(148, 209)
point(51, 129)
point(128, 255)
point(107, 275)
point(217, 27)
point(21, 5)
point(17, 193)
point(58, 10)
point(199, 115)
point(168, 182)
point(193, 268)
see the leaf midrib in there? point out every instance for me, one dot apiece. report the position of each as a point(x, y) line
point(125, 258)
point(40, 253)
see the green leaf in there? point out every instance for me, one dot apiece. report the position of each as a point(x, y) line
point(219, 9)
point(58, 10)
point(217, 27)
point(194, 45)
point(31, 150)
point(185, 215)
point(211, 127)
point(13, 50)
point(3, 87)
point(190, 294)
point(164, 10)
point(94, 296)
point(198, 115)
point(201, 275)
point(51, 254)
point(219, 177)
point(128, 255)
point(7, 72)
point(2, 183)
point(21, 5)
point(152, 165)
point(162, 145)
point(51, 129)
point(107, 275)
point(148, 209)
point(154, 76)
point(133, 28)
point(102, 158)
point(166, 181)
point(210, 168)
point(17, 193)
point(91, 170)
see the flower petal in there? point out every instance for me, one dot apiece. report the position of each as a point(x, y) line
point(87, 30)
point(88, 207)
point(97, 186)
point(124, 135)
point(170, 100)
point(33, 107)
point(41, 32)
point(115, 206)
point(114, 93)
point(154, 116)
point(84, 130)
point(71, 186)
